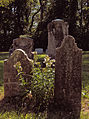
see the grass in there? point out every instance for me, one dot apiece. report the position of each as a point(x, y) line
point(85, 85)
point(85, 89)
point(84, 115)
point(15, 115)
point(3, 56)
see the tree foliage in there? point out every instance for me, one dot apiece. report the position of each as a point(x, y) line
point(5, 3)
point(31, 17)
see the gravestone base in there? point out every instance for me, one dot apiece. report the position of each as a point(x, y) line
point(63, 112)
point(12, 89)
point(62, 115)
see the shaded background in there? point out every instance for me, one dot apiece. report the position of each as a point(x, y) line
point(30, 18)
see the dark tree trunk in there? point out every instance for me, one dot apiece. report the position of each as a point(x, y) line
point(72, 16)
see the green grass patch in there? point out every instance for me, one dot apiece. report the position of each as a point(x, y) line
point(1, 61)
point(85, 52)
point(85, 62)
point(85, 78)
point(84, 115)
point(15, 115)
point(1, 92)
point(4, 56)
point(85, 56)
point(4, 52)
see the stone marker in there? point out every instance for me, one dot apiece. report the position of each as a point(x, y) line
point(39, 50)
point(57, 30)
point(67, 92)
point(25, 44)
point(11, 82)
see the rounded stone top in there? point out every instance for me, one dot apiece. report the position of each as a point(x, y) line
point(58, 20)
point(57, 23)
point(23, 38)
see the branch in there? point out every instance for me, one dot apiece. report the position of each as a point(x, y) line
point(33, 19)
point(41, 7)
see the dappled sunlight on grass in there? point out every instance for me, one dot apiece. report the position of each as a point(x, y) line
point(4, 55)
point(1, 92)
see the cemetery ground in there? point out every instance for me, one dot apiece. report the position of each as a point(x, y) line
point(85, 88)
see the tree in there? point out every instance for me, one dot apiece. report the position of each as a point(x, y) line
point(60, 8)
point(31, 17)
point(13, 21)
point(73, 16)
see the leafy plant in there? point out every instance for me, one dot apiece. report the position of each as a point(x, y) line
point(84, 116)
point(42, 82)
point(85, 92)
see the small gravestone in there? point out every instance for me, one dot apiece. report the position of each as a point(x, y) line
point(57, 30)
point(67, 92)
point(11, 82)
point(25, 44)
point(39, 50)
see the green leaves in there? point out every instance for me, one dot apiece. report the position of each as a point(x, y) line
point(41, 80)
point(85, 92)
point(4, 3)
point(42, 83)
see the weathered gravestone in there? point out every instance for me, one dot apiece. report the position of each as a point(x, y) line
point(11, 82)
point(57, 30)
point(67, 92)
point(25, 44)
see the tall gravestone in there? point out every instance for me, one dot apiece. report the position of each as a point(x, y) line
point(11, 82)
point(57, 30)
point(25, 44)
point(67, 92)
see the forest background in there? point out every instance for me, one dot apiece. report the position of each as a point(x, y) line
point(30, 18)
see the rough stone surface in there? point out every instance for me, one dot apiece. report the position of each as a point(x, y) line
point(11, 82)
point(25, 44)
point(67, 92)
point(57, 30)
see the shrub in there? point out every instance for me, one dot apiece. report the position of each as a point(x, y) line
point(42, 81)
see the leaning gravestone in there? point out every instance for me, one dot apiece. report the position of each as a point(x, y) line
point(67, 92)
point(57, 30)
point(11, 82)
point(25, 44)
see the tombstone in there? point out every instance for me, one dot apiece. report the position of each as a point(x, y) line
point(39, 50)
point(57, 30)
point(11, 82)
point(25, 44)
point(67, 92)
